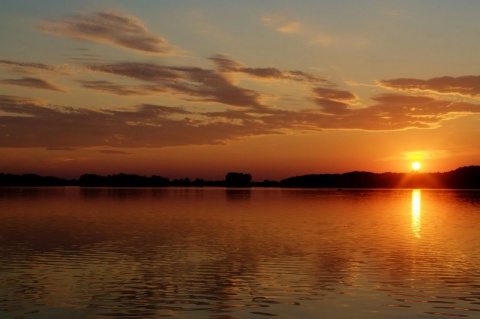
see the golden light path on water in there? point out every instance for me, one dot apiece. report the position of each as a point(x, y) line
point(416, 212)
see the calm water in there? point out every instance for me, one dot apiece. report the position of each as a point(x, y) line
point(225, 254)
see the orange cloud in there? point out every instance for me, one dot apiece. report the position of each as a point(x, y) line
point(126, 90)
point(227, 65)
point(390, 112)
point(333, 101)
point(141, 71)
point(8, 101)
point(26, 122)
point(333, 94)
point(33, 68)
point(281, 24)
point(32, 123)
point(204, 84)
point(109, 27)
point(33, 83)
point(463, 85)
point(290, 27)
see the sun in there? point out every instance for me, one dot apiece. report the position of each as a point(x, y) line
point(416, 166)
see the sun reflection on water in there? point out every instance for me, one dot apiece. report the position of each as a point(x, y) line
point(416, 212)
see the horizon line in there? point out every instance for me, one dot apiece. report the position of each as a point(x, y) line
point(192, 179)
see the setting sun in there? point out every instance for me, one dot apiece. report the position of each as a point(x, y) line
point(416, 166)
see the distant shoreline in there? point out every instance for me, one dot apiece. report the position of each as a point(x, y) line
point(467, 177)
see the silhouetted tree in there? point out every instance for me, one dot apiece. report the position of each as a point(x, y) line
point(238, 180)
point(88, 180)
point(158, 181)
point(198, 182)
point(122, 180)
point(312, 180)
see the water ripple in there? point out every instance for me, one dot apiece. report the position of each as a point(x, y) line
point(199, 255)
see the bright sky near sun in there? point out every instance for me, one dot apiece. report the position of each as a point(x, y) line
point(272, 88)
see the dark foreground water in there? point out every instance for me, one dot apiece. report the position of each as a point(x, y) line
point(225, 254)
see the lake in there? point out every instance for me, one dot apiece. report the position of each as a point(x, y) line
point(238, 253)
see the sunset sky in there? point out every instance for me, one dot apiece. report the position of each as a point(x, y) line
point(272, 88)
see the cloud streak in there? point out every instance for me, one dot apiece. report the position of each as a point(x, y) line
point(468, 86)
point(33, 123)
point(313, 35)
point(33, 68)
point(34, 83)
point(389, 112)
point(30, 123)
point(334, 101)
point(281, 23)
point(118, 89)
point(193, 82)
point(109, 27)
point(227, 65)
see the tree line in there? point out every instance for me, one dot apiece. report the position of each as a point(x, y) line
point(462, 178)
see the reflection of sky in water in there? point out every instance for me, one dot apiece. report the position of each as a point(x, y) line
point(416, 212)
point(215, 253)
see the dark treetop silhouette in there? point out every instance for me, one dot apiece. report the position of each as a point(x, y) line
point(462, 178)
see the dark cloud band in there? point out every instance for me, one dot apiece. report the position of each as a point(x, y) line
point(464, 85)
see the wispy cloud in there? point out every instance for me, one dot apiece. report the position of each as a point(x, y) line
point(140, 71)
point(110, 27)
point(34, 68)
point(10, 101)
point(192, 82)
point(311, 34)
point(228, 65)
point(37, 125)
point(390, 112)
point(464, 85)
point(334, 94)
point(281, 23)
point(119, 89)
point(290, 27)
point(34, 83)
point(334, 101)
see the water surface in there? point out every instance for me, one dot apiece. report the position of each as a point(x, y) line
point(238, 253)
